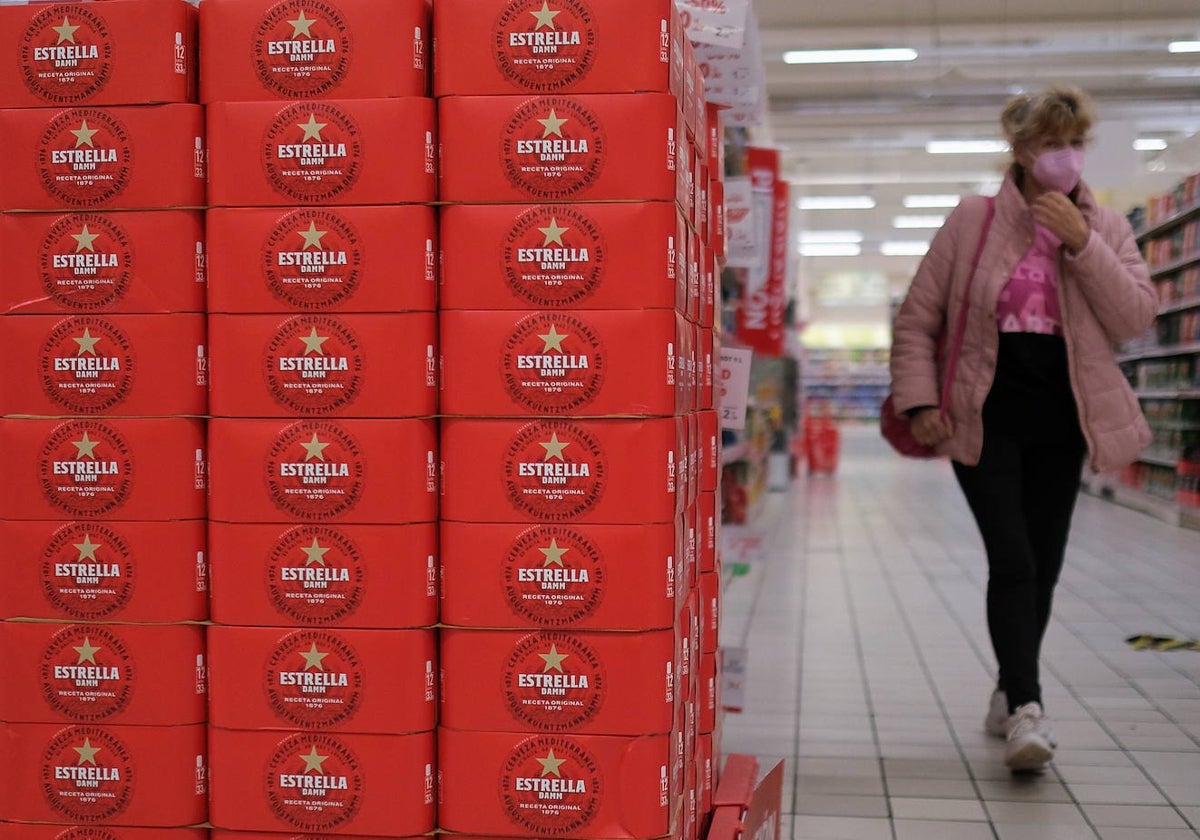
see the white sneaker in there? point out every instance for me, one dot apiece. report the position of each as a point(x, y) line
point(1028, 747)
point(996, 722)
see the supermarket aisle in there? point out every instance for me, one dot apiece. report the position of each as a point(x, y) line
point(869, 666)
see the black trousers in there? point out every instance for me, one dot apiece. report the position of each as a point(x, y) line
point(1022, 494)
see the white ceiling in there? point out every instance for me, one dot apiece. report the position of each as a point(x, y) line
point(850, 129)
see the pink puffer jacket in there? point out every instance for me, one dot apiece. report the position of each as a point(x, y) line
point(1106, 298)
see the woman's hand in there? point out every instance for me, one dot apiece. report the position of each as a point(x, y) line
point(1055, 211)
point(930, 428)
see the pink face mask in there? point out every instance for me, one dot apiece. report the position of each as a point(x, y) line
point(1060, 169)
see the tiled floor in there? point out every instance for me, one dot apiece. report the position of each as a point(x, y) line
point(870, 668)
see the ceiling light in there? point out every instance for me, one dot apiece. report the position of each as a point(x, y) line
point(1184, 46)
point(966, 147)
point(849, 56)
point(930, 202)
point(830, 237)
point(904, 249)
point(1149, 144)
point(836, 202)
point(918, 222)
point(830, 250)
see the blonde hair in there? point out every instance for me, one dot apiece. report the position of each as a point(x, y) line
point(1058, 111)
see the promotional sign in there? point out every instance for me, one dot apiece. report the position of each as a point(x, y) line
point(760, 323)
point(734, 370)
point(379, 682)
point(137, 572)
point(126, 52)
point(121, 365)
point(103, 673)
point(310, 364)
point(322, 259)
point(563, 256)
point(370, 576)
point(96, 773)
point(596, 147)
point(317, 783)
point(329, 151)
point(608, 577)
point(110, 158)
point(323, 470)
point(102, 468)
point(305, 50)
point(488, 47)
point(85, 263)
point(743, 226)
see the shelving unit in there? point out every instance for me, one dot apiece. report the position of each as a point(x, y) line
point(1164, 365)
point(852, 382)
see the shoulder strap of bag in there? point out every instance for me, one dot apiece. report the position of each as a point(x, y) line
point(961, 327)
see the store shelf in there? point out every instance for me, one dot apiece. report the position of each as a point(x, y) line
point(1180, 305)
point(1161, 352)
point(1159, 460)
point(1175, 425)
point(1172, 267)
point(1139, 500)
point(1166, 224)
point(1168, 393)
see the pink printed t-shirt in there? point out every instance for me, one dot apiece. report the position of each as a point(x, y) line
point(1029, 302)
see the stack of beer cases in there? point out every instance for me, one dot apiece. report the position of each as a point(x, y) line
point(323, 443)
point(103, 702)
point(573, 319)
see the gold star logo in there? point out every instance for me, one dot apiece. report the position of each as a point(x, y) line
point(87, 344)
point(85, 447)
point(554, 448)
point(314, 449)
point(83, 135)
point(314, 553)
point(553, 124)
point(545, 17)
point(313, 762)
point(554, 233)
point(312, 236)
point(550, 765)
point(553, 340)
point(87, 548)
point(313, 342)
point(84, 240)
point(312, 128)
point(554, 554)
point(87, 652)
point(553, 659)
point(302, 25)
point(66, 32)
point(313, 658)
point(87, 753)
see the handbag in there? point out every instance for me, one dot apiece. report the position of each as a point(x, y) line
point(897, 431)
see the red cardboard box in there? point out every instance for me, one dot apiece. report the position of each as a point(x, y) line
point(554, 148)
point(126, 469)
point(559, 681)
point(710, 691)
point(585, 786)
point(111, 158)
point(608, 577)
point(371, 576)
point(601, 363)
point(324, 365)
point(218, 834)
point(152, 572)
point(334, 151)
point(715, 148)
point(498, 46)
point(103, 673)
point(710, 440)
point(17, 831)
point(344, 259)
point(710, 611)
point(126, 52)
point(710, 518)
point(705, 775)
point(321, 782)
point(598, 471)
point(92, 773)
point(123, 365)
point(352, 471)
point(716, 204)
point(550, 256)
point(131, 262)
point(368, 681)
point(359, 50)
